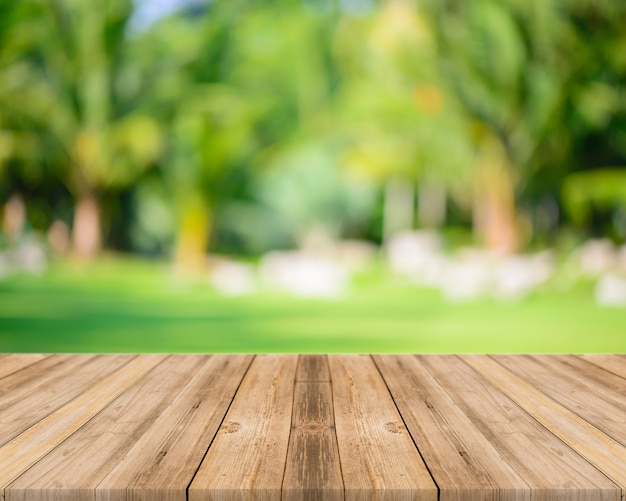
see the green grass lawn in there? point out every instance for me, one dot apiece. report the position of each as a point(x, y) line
point(124, 306)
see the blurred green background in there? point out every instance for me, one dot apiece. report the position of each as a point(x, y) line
point(313, 176)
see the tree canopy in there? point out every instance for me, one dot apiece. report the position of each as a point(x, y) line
point(241, 126)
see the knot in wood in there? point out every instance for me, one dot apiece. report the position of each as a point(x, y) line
point(313, 427)
point(393, 427)
point(231, 427)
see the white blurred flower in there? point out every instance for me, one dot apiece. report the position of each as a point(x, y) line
point(303, 275)
point(517, 276)
point(596, 256)
point(232, 278)
point(417, 255)
point(611, 291)
point(464, 280)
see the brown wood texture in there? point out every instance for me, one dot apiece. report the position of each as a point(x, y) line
point(313, 470)
point(600, 450)
point(166, 457)
point(13, 363)
point(313, 368)
point(463, 461)
point(23, 392)
point(150, 439)
point(378, 457)
point(312, 427)
point(30, 446)
point(612, 363)
point(247, 458)
point(597, 396)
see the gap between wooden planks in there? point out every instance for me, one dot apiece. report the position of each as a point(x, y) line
point(317, 427)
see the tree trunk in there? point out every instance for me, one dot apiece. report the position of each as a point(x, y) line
point(399, 207)
point(431, 203)
point(193, 236)
point(495, 215)
point(14, 217)
point(86, 232)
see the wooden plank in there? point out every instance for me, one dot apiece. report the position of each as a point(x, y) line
point(313, 471)
point(47, 391)
point(248, 456)
point(73, 470)
point(547, 465)
point(598, 448)
point(606, 382)
point(30, 446)
point(162, 462)
point(129, 442)
point(123, 428)
point(574, 387)
point(463, 462)
point(378, 458)
point(313, 368)
point(13, 363)
point(30, 378)
point(612, 363)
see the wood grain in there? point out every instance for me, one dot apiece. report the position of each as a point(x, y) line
point(47, 388)
point(64, 472)
point(313, 471)
point(30, 446)
point(149, 441)
point(33, 376)
point(574, 387)
point(162, 462)
point(378, 457)
point(605, 382)
point(283, 427)
point(13, 363)
point(611, 363)
point(598, 448)
point(247, 458)
point(463, 462)
point(546, 464)
point(313, 368)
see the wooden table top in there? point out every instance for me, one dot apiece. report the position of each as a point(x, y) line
point(272, 427)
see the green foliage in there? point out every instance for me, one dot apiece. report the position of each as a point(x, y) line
point(301, 111)
point(599, 188)
point(67, 55)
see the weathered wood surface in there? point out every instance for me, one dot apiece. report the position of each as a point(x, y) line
point(380, 460)
point(247, 458)
point(312, 427)
point(313, 469)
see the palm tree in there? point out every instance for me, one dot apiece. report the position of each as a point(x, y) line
point(74, 99)
point(540, 82)
point(400, 120)
point(240, 84)
point(209, 121)
point(501, 60)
